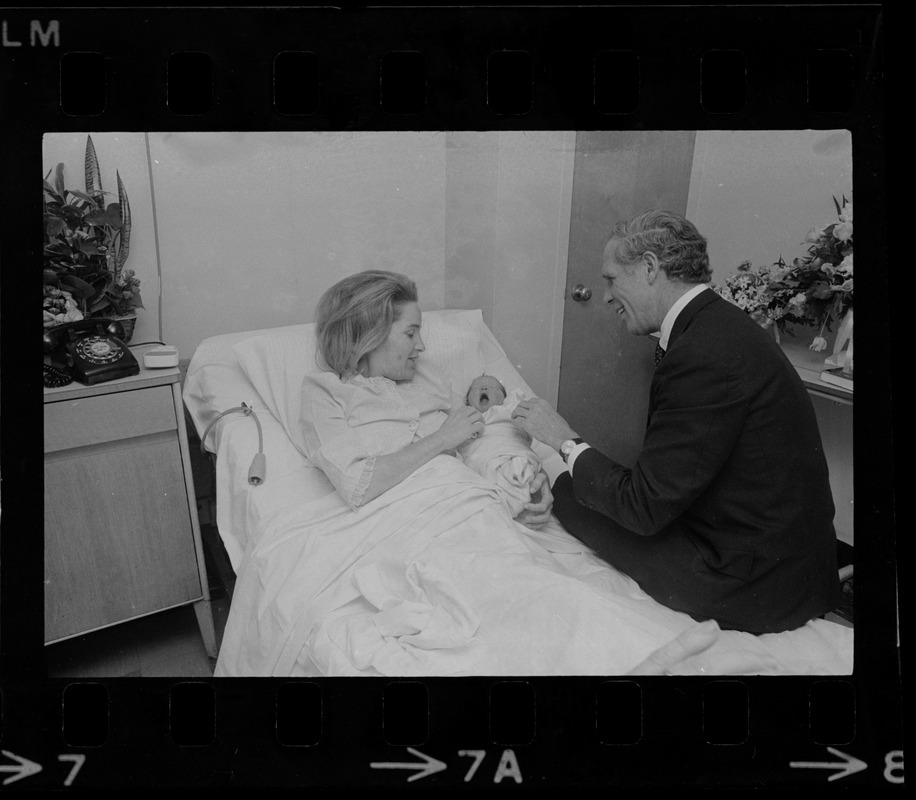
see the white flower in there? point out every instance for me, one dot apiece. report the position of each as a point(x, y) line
point(843, 231)
point(845, 266)
point(819, 344)
point(846, 213)
point(799, 299)
point(815, 234)
point(778, 274)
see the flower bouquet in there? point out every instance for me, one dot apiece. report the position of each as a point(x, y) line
point(816, 289)
point(86, 245)
point(59, 307)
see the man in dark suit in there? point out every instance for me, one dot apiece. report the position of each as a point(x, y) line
point(727, 513)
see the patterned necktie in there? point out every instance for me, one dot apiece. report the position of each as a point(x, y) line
point(659, 353)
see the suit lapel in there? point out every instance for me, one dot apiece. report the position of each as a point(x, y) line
point(687, 314)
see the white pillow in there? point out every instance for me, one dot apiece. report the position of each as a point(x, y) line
point(277, 362)
point(215, 380)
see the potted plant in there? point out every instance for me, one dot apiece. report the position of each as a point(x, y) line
point(86, 244)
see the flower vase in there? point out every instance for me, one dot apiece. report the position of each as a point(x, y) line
point(767, 324)
point(128, 322)
point(842, 348)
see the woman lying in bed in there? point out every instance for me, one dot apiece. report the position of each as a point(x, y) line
point(415, 565)
point(373, 419)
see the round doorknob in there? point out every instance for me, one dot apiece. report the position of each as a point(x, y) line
point(581, 293)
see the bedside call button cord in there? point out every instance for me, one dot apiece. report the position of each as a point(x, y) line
point(258, 468)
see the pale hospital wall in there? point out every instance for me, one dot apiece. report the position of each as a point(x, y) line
point(755, 194)
point(254, 227)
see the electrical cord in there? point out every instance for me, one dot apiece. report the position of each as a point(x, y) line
point(258, 469)
point(55, 377)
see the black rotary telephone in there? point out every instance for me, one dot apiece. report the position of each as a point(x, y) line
point(91, 351)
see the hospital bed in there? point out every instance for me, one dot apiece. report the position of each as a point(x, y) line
point(322, 590)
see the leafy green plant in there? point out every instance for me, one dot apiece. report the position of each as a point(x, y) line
point(87, 242)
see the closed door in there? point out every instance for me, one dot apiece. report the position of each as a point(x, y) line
point(604, 371)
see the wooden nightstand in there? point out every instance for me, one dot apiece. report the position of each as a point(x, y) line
point(122, 538)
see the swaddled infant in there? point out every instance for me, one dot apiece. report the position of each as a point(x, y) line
point(502, 452)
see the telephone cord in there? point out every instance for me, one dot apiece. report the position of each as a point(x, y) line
point(257, 471)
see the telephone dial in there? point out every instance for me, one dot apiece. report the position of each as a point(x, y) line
point(91, 351)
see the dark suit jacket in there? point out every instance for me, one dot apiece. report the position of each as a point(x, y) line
point(727, 513)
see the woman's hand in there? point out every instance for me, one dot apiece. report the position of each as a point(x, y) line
point(462, 423)
point(536, 514)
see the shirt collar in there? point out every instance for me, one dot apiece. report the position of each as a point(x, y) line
point(671, 316)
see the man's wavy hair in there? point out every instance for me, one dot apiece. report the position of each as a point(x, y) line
point(680, 248)
point(355, 316)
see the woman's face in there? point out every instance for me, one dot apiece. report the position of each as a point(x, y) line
point(396, 358)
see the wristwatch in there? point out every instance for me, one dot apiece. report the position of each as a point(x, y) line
point(567, 447)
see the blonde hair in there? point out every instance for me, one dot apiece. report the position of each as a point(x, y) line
point(680, 248)
point(355, 316)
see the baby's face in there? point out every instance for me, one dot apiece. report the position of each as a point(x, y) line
point(485, 391)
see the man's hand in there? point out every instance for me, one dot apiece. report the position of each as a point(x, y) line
point(536, 514)
point(538, 419)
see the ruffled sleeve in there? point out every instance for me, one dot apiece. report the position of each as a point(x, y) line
point(347, 424)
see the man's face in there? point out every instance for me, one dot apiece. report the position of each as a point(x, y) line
point(630, 293)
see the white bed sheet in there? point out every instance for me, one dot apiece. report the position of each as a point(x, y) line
point(268, 529)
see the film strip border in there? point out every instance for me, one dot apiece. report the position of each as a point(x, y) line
point(473, 733)
point(415, 69)
point(453, 68)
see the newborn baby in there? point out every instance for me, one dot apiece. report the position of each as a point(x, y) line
point(502, 452)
